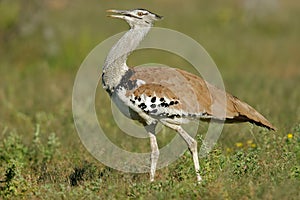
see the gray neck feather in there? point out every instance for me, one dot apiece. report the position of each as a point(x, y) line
point(115, 64)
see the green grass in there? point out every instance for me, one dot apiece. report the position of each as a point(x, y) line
point(41, 155)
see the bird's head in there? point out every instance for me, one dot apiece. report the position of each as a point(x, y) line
point(136, 18)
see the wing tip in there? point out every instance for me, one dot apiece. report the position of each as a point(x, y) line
point(268, 125)
point(272, 128)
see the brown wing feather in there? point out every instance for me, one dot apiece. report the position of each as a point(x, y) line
point(151, 88)
point(190, 88)
point(242, 112)
point(236, 110)
point(173, 80)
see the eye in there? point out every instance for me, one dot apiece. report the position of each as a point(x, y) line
point(140, 14)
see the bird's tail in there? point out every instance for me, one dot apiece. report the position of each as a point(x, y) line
point(238, 111)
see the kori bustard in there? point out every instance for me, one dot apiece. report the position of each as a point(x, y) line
point(156, 94)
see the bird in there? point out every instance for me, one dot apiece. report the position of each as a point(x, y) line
point(156, 94)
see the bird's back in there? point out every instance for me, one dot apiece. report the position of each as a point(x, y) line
point(163, 92)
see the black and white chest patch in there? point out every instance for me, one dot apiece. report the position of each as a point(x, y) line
point(157, 106)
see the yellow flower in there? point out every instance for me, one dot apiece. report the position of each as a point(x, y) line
point(290, 135)
point(249, 142)
point(253, 145)
point(238, 144)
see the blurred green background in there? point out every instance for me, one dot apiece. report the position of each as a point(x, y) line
point(254, 43)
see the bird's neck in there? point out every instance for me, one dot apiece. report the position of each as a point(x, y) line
point(115, 65)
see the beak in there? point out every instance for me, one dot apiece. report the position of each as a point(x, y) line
point(157, 17)
point(120, 13)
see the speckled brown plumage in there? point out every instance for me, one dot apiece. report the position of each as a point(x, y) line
point(195, 95)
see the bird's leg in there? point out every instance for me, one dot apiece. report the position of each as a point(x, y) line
point(192, 144)
point(154, 155)
point(154, 150)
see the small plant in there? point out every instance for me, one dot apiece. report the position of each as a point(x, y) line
point(13, 156)
point(13, 148)
point(18, 159)
point(15, 182)
point(245, 163)
point(50, 149)
point(40, 152)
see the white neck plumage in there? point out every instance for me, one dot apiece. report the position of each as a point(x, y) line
point(115, 64)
